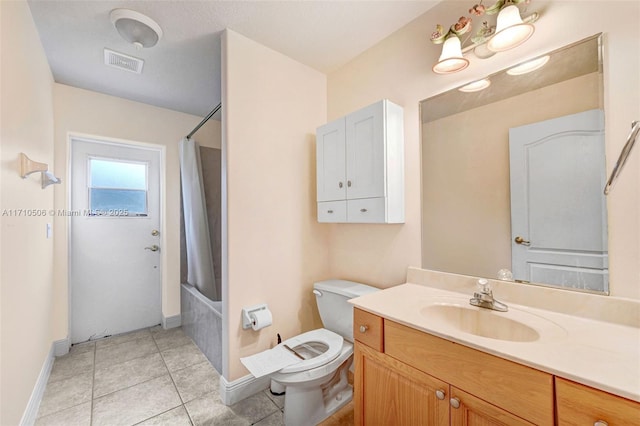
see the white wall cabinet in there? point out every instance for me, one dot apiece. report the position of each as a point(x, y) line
point(360, 166)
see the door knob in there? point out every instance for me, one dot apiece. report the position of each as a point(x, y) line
point(153, 248)
point(520, 240)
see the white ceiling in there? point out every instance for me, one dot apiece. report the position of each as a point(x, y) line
point(182, 72)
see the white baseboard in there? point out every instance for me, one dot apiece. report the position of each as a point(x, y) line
point(31, 411)
point(171, 322)
point(244, 387)
point(61, 347)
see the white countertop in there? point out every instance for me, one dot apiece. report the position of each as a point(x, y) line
point(599, 354)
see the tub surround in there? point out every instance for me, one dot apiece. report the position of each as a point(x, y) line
point(202, 321)
point(602, 332)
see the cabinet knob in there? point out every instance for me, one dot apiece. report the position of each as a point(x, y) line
point(364, 328)
point(363, 210)
point(440, 394)
point(455, 402)
point(601, 423)
point(349, 183)
point(329, 211)
point(340, 185)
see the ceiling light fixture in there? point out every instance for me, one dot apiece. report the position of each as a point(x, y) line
point(476, 86)
point(529, 66)
point(509, 31)
point(136, 28)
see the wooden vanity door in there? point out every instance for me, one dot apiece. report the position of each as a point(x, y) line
point(389, 393)
point(472, 411)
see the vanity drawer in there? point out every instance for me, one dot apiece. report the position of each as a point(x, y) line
point(332, 211)
point(581, 405)
point(366, 210)
point(521, 390)
point(368, 329)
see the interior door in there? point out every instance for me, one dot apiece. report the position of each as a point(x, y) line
point(115, 274)
point(558, 210)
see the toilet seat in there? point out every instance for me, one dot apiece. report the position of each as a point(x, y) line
point(331, 340)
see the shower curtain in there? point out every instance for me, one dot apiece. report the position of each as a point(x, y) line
point(200, 271)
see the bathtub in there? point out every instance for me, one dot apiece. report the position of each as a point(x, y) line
point(202, 321)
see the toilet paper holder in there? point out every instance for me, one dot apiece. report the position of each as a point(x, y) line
point(247, 322)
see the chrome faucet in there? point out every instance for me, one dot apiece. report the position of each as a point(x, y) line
point(483, 298)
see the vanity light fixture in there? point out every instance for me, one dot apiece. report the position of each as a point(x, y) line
point(509, 31)
point(451, 59)
point(529, 66)
point(476, 86)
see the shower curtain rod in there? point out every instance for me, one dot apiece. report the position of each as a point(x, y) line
point(204, 120)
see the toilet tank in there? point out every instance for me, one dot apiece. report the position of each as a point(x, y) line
point(335, 311)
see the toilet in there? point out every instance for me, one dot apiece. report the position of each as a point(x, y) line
point(317, 387)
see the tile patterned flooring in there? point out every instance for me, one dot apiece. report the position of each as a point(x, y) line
point(150, 377)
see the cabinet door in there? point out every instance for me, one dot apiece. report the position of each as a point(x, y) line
point(330, 156)
point(388, 393)
point(365, 152)
point(467, 410)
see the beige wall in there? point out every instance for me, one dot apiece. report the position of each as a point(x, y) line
point(79, 111)
point(471, 214)
point(276, 248)
point(399, 68)
point(26, 255)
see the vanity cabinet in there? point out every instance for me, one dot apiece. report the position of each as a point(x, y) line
point(360, 166)
point(581, 405)
point(413, 376)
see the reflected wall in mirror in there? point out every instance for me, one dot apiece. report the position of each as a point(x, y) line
point(512, 175)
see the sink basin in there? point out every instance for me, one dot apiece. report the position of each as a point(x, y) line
point(512, 326)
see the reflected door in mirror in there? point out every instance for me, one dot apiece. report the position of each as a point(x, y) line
point(558, 212)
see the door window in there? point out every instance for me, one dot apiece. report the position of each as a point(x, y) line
point(117, 188)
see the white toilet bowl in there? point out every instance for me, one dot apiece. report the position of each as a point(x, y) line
point(318, 386)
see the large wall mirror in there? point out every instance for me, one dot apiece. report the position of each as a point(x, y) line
point(513, 175)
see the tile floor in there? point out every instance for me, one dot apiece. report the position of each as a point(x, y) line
point(150, 377)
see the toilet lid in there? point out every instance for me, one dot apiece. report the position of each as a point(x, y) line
point(318, 346)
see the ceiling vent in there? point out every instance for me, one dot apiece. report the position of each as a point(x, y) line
point(122, 61)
